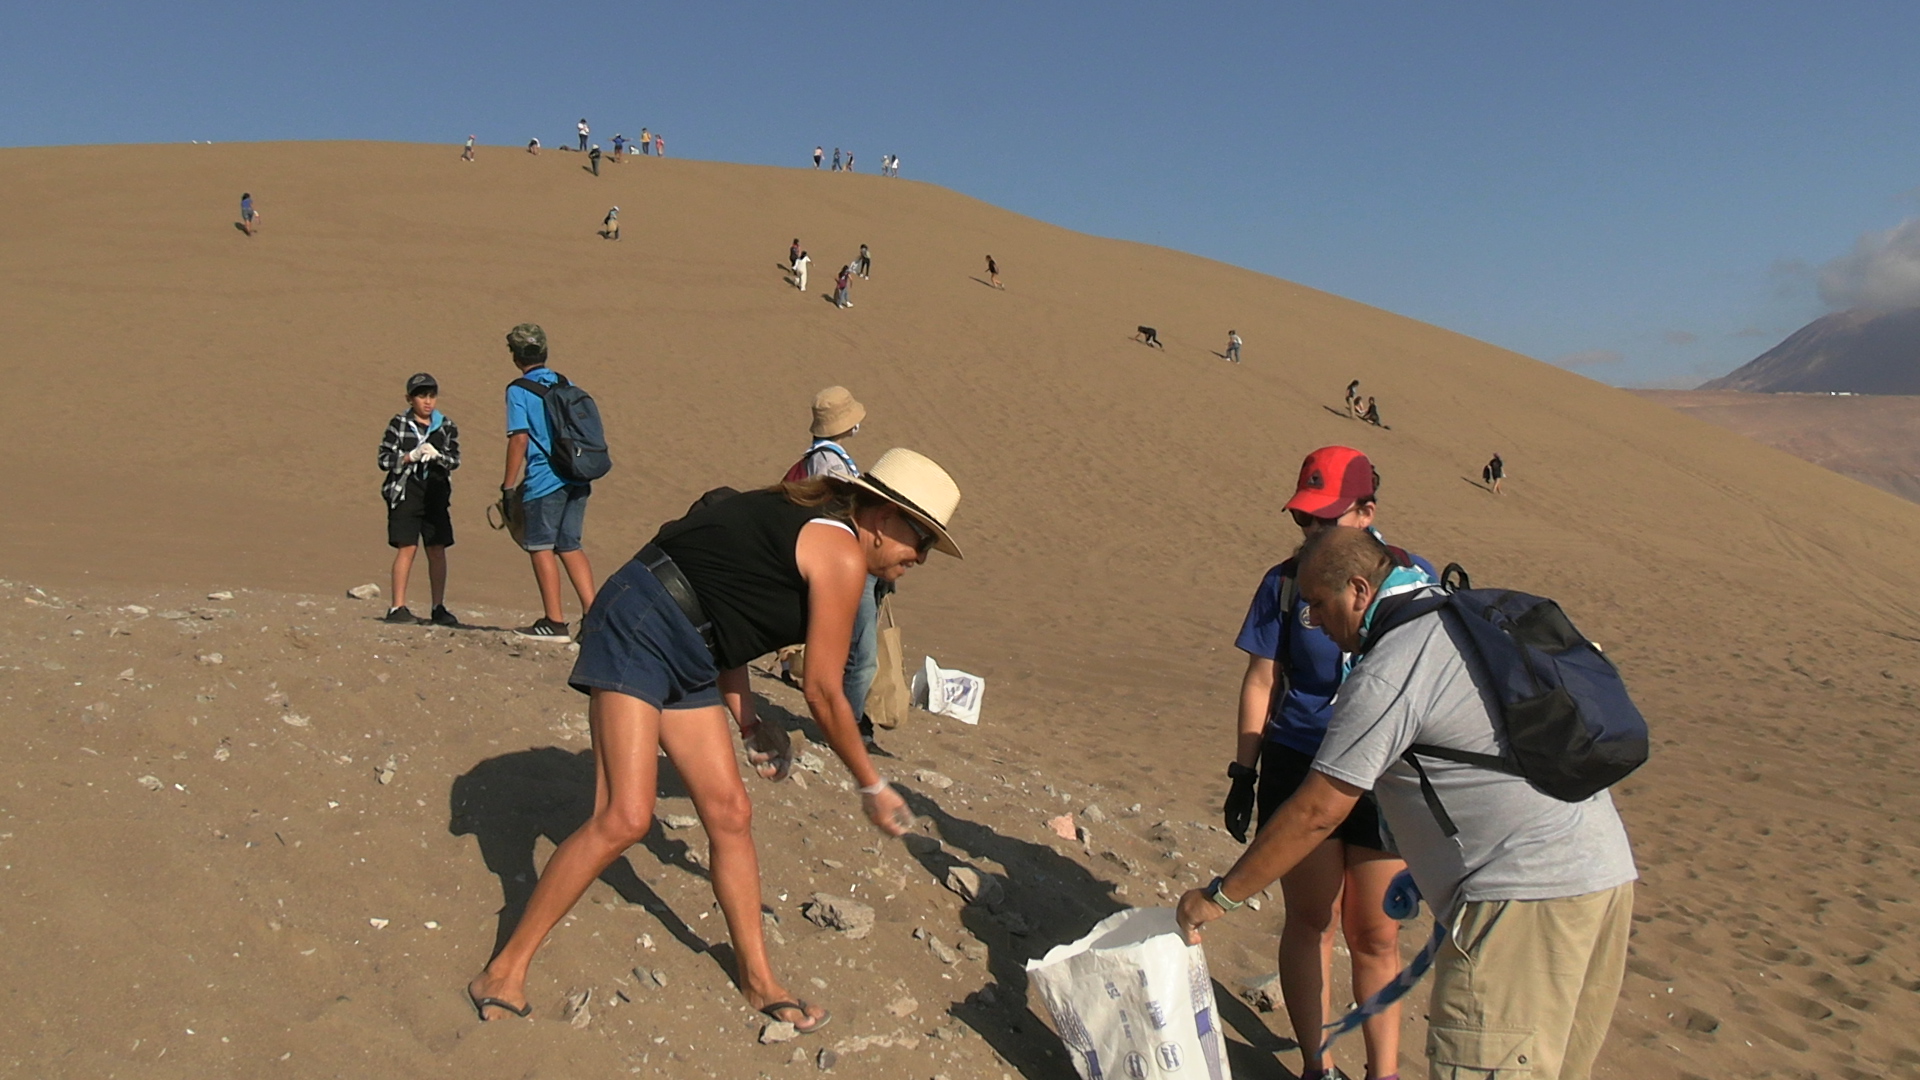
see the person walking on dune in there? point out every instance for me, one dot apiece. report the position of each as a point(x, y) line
point(533, 147)
point(993, 273)
point(842, 286)
point(793, 254)
point(419, 452)
point(800, 271)
point(1286, 697)
point(554, 509)
point(467, 154)
point(1147, 335)
point(659, 145)
point(1494, 473)
point(610, 225)
point(1233, 346)
point(818, 153)
point(1532, 895)
point(663, 659)
point(249, 217)
point(864, 265)
point(836, 159)
point(646, 142)
point(619, 144)
point(583, 131)
point(593, 158)
point(1353, 399)
point(849, 161)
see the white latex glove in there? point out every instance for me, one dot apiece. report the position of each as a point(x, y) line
point(423, 452)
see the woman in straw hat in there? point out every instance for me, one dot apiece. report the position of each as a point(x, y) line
point(663, 654)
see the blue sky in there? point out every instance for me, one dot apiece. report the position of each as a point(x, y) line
point(1651, 193)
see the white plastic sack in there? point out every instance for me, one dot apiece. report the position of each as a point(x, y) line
point(1132, 1001)
point(949, 693)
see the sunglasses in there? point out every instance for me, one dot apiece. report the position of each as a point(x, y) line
point(922, 536)
point(1308, 521)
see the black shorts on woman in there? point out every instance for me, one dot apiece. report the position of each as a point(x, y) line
point(1283, 769)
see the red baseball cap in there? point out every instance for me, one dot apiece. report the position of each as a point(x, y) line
point(1332, 479)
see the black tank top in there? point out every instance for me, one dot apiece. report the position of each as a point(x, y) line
point(739, 556)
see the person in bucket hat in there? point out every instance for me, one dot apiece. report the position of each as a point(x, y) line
point(1286, 699)
point(663, 658)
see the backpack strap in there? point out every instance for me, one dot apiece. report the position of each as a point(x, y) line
point(539, 390)
point(1440, 815)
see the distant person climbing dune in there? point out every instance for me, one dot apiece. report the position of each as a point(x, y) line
point(1147, 335)
point(249, 217)
point(1495, 472)
point(993, 273)
point(1233, 346)
point(1353, 399)
point(467, 154)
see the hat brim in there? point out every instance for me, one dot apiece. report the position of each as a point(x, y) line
point(1319, 504)
point(943, 540)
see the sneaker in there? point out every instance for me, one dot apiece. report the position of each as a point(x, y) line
point(443, 617)
point(546, 629)
point(401, 617)
point(867, 740)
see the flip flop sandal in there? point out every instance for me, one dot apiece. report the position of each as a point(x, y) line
point(779, 1006)
point(482, 1004)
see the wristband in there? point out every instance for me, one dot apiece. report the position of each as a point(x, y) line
point(875, 789)
point(1216, 892)
point(1237, 771)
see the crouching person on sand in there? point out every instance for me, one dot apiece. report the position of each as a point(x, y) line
point(663, 654)
point(1535, 894)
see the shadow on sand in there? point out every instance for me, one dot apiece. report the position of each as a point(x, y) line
point(1048, 900)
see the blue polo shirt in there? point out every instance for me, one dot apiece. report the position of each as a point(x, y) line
point(526, 412)
point(1309, 660)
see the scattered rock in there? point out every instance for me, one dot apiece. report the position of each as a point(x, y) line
point(850, 917)
point(364, 592)
point(221, 595)
point(575, 1011)
point(127, 675)
point(211, 659)
point(974, 950)
point(975, 887)
point(942, 951)
point(297, 720)
point(1253, 902)
point(778, 1031)
point(151, 783)
point(933, 779)
point(1121, 861)
point(222, 754)
point(679, 821)
point(810, 761)
point(798, 1056)
point(1263, 993)
point(827, 1059)
point(1093, 814)
point(659, 978)
point(385, 773)
point(134, 609)
point(1132, 810)
point(1063, 827)
point(903, 1007)
point(174, 616)
point(377, 924)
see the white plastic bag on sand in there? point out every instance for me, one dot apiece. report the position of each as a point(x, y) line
point(949, 693)
point(1133, 1001)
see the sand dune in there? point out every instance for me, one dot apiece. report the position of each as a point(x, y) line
point(194, 409)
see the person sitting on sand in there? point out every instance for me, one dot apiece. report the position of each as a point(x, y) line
point(1353, 399)
point(419, 452)
point(663, 656)
point(1147, 335)
point(1372, 413)
point(249, 217)
point(1286, 696)
point(533, 147)
point(1540, 890)
point(610, 225)
point(1495, 472)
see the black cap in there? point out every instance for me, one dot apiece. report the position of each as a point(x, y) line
point(422, 381)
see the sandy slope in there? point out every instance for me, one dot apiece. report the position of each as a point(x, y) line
point(1872, 438)
point(193, 409)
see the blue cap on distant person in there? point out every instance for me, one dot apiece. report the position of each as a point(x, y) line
point(422, 381)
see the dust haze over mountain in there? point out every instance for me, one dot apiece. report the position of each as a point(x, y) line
point(268, 835)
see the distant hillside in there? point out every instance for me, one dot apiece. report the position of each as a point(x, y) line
point(1857, 351)
point(1873, 439)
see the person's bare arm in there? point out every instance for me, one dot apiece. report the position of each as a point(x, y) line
point(1256, 696)
point(1299, 826)
point(768, 747)
point(516, 459)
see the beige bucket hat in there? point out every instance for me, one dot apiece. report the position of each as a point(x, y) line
point(923, 489)
point(835, 412)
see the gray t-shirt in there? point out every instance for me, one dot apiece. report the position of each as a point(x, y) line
point(1514, 843)
point(823, 460)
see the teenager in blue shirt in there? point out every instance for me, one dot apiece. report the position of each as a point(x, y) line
point(554, 510)
point(1286, 698)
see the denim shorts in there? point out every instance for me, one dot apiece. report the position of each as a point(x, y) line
point(555, 520)
point(636, 641)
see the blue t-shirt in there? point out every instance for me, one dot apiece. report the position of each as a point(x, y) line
point(526, 412)
point(1313, 665)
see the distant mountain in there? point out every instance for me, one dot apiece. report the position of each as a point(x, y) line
point(1858, 351)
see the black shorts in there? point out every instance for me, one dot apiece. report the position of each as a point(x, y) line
point(1282, 771)
point(423, 514)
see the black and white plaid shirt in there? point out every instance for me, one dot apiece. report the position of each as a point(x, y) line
point(405, 434)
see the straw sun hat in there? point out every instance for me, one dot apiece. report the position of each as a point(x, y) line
point(918, 486)
point(835, 412)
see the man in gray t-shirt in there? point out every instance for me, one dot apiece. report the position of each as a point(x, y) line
point(1536, 894)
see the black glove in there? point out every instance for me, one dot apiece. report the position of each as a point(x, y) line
point(1239, 809)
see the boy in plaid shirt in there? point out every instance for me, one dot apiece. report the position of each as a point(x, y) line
point(419, 453)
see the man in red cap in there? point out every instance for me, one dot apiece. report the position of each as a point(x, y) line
point(1286, 699)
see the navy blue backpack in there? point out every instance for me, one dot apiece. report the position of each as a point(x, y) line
point(1571, 729)
point(579, 450)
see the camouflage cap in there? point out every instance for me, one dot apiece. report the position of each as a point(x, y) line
point(528, 341)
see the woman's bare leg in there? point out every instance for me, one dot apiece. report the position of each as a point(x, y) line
point(700, 744)
point(1373, 943)
point(1312, 890)
point(626, 736)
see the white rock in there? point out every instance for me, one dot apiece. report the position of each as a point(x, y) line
point(679, 821)
point(1093, 814)
point(778, 1031)
point(933, 779)
point(810, 761)
point(134, 609)
point(296, 720)
point(127, 675)
point(975, 887)
point(385, 773)
point(211, 659)
point(368, 591)
point(377, 924)
point(221, 595)
point(222, 754)
point(151, 783)
point(903, 1007)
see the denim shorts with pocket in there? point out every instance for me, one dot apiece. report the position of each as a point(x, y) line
point(636, 641)
point(555, 520)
